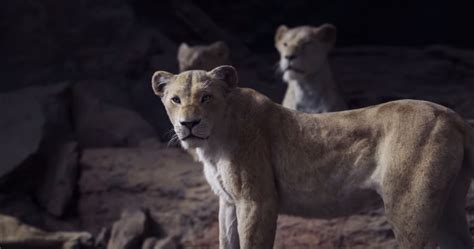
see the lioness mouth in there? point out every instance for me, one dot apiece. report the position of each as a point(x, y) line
point(193, 136)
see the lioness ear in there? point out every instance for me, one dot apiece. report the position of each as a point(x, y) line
point(281, 30)
point(222, 49)
point(182, 50)
point(327, 33)
point(183, 47)
point(159, 81)
point(226, 73)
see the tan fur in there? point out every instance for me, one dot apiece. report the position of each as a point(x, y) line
point(203, 57)
point(263, 159)
point(304, 62)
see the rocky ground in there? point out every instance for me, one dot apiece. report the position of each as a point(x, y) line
point(85, 159)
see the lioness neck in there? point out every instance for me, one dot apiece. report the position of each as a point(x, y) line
point(246, 111)
point(314, 93)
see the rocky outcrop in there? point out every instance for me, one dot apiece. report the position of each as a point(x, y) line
point(373, 75)
point(58, 187)
point(24, 122)
point(102, 119)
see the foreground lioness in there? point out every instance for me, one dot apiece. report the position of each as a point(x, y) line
point(263, 159)
point(304, 63)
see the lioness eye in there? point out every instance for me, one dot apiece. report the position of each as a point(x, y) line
point(176, 100)
point(285, 44)
point(206, 98)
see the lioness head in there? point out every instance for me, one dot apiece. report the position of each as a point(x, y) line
point(195, 101)
point(202, 57)
point(303, 50)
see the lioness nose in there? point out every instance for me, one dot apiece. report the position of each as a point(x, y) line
point(290, 57)
point(190, 124)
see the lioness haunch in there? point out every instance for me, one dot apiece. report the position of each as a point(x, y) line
point(263, 159)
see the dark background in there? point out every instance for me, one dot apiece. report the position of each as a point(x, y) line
point(365, 22)
point(50, 40)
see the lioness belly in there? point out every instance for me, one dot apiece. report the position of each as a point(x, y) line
point(327, 204)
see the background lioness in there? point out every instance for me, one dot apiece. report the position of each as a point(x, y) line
point(203, 57)
point(304, 64)
point(262, 159)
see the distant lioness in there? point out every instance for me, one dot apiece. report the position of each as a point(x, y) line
point(304, 63)
point(263, 159)
point(203, 57)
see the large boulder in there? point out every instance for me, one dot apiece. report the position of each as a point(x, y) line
point(26, 115)
point(103, 117)
point(60, 179)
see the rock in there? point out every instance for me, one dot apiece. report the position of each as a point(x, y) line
point(100, 123)
point(154, 243)
point(102, 238)
point(149, 105)
point(25, 208)
point(167, 243)
point(93, 34)
point(130, 231)
point(57, 189)
point(149, 243)
point(373, 75)
point(14, 234)
point(23, 123)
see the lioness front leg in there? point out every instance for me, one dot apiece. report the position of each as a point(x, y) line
point(228, 234)
point(256, 223)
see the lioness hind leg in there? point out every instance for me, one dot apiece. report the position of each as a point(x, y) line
point(453, 230)
point(417, 183)
point(412, 228)
point(415, 208)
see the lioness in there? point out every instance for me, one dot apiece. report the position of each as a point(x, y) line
point(304, 63)
point(263, 159)
point(203, 57)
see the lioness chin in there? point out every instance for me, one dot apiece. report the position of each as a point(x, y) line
point(263, 159)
